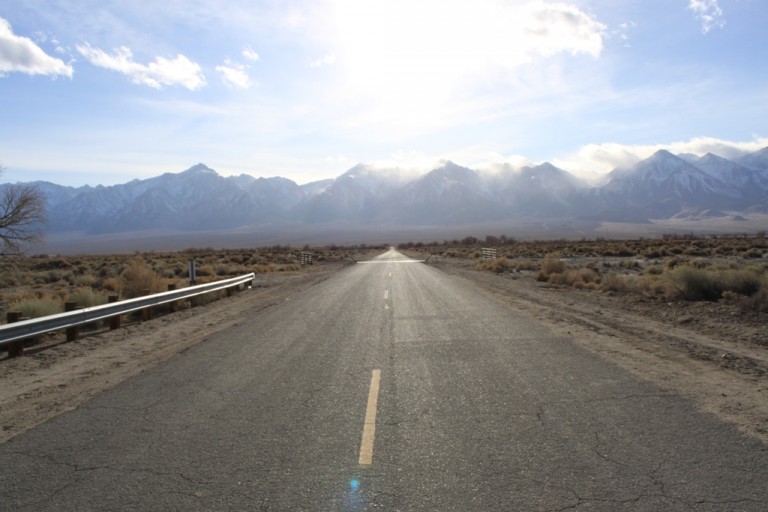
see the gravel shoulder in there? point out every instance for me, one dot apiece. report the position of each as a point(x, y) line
point(715, 355)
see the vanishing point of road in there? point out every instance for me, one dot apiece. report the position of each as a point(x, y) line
point(389, 386)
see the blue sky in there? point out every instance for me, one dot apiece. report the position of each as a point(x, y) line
point(102, 92)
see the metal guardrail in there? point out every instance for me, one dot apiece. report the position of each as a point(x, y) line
point(17, 331)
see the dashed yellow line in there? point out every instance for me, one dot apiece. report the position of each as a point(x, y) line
point(369, 427)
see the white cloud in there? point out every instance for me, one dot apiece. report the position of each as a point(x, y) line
point(708, 12)
point(158, 73)
point(594, 160)
point(249, 54)
point(325, 60)
point(234, 75)
point(22, 55)
point(560, 27)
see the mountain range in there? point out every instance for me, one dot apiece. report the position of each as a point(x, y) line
point(663, 186)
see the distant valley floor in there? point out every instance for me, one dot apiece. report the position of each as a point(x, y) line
point(299, 235)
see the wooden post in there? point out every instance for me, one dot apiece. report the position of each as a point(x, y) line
point(72, 332)
point(15, 349)
point(114, 322)
point(146, 314)
point(171, 305)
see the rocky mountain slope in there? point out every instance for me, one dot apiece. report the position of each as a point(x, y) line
point(663, 186)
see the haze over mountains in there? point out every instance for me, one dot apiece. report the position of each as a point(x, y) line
point(663, 187)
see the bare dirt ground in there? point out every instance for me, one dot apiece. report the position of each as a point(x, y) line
point(714, 354)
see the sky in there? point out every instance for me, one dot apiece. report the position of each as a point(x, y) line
point(106, 91)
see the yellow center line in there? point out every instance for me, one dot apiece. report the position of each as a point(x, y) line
point(369, 427)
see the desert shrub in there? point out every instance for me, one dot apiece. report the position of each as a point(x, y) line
point(204, 271)
point(552, 264)
point(691, 283)
point(139, 279)
point(577, 278)
point(629, 264)
point(36, 308)
point(654, 253)
point(759, 301)
point(86, 297)
point(654, 270)
point(613, 283)
point(229, 270)
point(167, 273)
point(673, 262)
point(497, 265)
point(742, 281)
point(695, 251)
point(85, 280)
point(112, 284)
point(752, 253)
point(526, 264)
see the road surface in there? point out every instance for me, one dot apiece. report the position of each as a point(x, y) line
point(390, 386)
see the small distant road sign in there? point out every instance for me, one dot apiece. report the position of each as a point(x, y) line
point(489, 254)
point(305, 258)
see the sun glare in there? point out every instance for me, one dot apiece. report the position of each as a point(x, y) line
point(415, 59)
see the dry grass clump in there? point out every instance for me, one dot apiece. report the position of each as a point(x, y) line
point(138, 279)
point(553, 270)
point(87, 297)
point(755, 302)
point(36, 308)
point(552, 264)
point(497, 265)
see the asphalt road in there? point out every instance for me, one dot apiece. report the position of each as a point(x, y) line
point(390, 386)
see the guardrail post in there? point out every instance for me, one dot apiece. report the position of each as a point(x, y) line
point(114, 322)
point(172, 305)
point(146, 313)
point(72, 332)
point(15, 349)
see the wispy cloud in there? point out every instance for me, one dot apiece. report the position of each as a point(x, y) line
point(234, 75)
point(21, 54)
point(325, 60)
point(597, 159)
point(157, 74)
point(250, 54)
point(708, 12)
